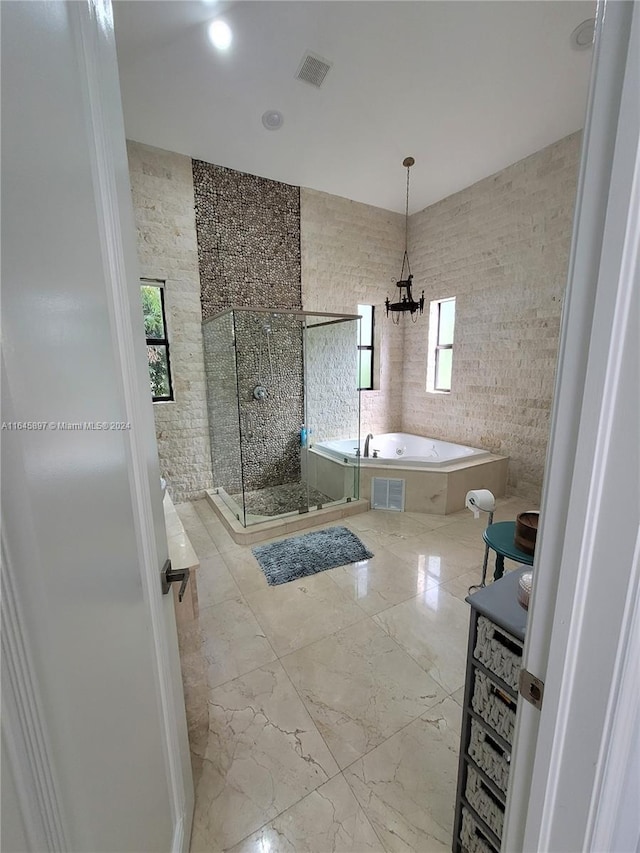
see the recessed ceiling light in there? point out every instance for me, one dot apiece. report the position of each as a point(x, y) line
point(272, 119)
point(220, 34)
point(583, 35)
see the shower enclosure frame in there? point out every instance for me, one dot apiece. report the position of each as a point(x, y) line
point(239, 509)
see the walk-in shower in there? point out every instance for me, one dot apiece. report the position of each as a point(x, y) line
point(277, 382)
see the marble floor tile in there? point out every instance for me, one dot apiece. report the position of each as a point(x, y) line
point(459, 587)
point(188, 514)
point(245, 571)
point(458, 696)
point(360, 687)
point(376, 539)
point(437, 556)
point(295, 614)
point(368, 655)
point(467, 531)
point(196, 700)
point(328, 820)
point(407, 785)
point(263, 755)
point(432, 628)
point(226, 640)
point(380, 582)
point(215, 529)
point(203, 544)
point(215, 582)
point(403, 524)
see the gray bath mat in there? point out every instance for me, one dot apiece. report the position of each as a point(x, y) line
point(315, 552)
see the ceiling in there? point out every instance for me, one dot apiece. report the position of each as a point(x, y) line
point(466, 88)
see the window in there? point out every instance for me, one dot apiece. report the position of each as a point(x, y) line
point(441, 323)
point(365, 348)
point(155, 326)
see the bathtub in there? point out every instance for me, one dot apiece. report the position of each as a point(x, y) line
point(400, 449)
point(434, 476)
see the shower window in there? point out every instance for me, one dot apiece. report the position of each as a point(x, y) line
point(155, 326)
point(365, 348)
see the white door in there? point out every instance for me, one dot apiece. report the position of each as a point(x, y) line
point(95, 750)
point(575, 783)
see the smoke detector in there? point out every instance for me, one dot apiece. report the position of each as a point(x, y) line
point(583, 35)
point(313, 69)
point(272, 119)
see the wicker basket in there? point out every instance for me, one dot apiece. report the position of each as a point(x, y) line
point(489, 756)
point(494, 706)
point(484, 801)
point(472, 837)
point(498, 651)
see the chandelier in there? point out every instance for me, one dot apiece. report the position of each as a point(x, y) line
point(406, 303)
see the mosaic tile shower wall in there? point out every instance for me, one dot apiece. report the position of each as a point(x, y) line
point(248, 231)
point(269, 356)
point(248, 240)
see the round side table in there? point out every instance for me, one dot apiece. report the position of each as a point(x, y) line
point(499, 537)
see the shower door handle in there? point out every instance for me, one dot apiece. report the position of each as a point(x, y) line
point(169, 576)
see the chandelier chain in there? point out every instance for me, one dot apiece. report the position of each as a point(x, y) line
point(405, 258)
point(406, 302)
point(406, 216)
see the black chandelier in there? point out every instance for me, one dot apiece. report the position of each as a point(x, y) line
point(406, 303)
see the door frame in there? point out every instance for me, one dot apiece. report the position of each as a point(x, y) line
point(24, 725)
point(585, 681)
point(94, 31)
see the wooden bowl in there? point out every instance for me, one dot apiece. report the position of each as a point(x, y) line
point(526, 531)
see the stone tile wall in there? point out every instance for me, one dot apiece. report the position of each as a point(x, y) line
point(352, 254)
point(162, 191)
point(331, 379)
point(501, 247)
point(249, 254)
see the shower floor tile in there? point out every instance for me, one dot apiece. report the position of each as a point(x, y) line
point(276, 500)
point(325, 715)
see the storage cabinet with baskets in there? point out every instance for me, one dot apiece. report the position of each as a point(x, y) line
point(496, 636)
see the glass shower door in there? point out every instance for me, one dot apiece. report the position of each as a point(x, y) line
point(270, 399)
point(332, 407)
point(219, 340)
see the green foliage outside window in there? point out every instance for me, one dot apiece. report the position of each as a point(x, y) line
point(157, 343)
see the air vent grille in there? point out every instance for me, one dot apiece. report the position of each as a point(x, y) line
point(313, 69)
point(387, 494)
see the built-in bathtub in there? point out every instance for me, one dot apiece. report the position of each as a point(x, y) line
point(437, 474)
point(401, 449)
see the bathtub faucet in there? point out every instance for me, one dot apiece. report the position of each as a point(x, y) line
point(366, 443)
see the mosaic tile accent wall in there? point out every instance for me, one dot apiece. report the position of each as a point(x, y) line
point(269, 354)
point(248, 232)
point(248, 240)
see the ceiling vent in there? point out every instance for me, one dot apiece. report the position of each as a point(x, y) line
point(313, 69)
